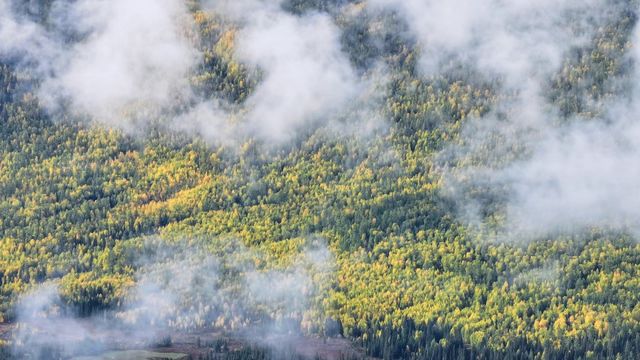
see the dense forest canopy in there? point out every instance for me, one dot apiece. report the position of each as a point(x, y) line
point(429, 179)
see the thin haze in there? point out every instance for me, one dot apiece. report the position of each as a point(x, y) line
point(181, 287)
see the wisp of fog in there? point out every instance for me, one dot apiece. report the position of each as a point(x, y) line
point(182, 287)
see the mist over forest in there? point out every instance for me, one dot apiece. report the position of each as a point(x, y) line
point(319, 179)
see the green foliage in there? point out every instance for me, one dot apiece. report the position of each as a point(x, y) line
point(411, 282)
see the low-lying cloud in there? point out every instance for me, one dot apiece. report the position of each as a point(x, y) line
point(306, 78)
point(126, 64)
point(182, 288)
point(306, 75)
point(109, 60)
point(135, 56)
point(541, 173)
point(516, 40)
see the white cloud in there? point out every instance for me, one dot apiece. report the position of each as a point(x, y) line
point(134, 58)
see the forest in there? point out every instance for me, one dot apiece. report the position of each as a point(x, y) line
point(354, 224)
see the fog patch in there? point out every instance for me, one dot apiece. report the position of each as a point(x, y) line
point(183, 288)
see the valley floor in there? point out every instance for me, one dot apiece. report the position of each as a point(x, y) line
point(209, 342)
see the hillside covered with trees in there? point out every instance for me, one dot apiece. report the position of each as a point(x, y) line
point(407, 274)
